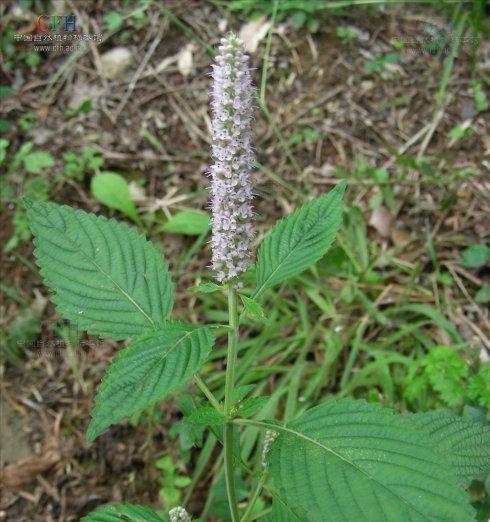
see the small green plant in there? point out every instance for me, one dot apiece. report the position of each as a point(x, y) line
point(83, 108)
point(307, 134)
point(4, 145)
point(12, 55)
point(301, 19)
point(29, 166)
point(113, 20)
point(26, 121)
point(23, 329)
point(77, 165)
point(480, 98)
point(443, 377)
point(461, 132)
point(346, 34)
point(338, 461)
point(476, 256)
point(171, 482)
point(381, 63)
point(33, 161)
point(483, 294)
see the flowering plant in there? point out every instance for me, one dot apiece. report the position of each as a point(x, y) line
point(336, 462)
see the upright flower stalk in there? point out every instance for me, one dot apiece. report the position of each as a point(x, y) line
point(231, 190)
point(231, 186)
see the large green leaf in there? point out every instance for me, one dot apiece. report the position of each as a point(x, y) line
point(281, 512)
point(122, 512)
point(464, 445)
point(297, 241)
point(106, 277)
point(350, 460)
point(145, 372)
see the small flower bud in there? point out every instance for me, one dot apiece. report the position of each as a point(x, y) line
point(179, 514)
point(269, 438)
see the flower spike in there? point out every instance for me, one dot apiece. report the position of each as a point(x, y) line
point(231, 186)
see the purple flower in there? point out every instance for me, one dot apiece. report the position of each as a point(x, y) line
point(231, 186)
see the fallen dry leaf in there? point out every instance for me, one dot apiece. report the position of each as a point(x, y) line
point(18, 474)
point(168, 60)
point(400, 237)
point(253, 32)
point(381, 221)
point(137, 193)
point(115, 62)
point(185, 59)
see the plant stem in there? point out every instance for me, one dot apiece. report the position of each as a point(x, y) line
point(229, 385)
point(208, 393)
point(254, 498)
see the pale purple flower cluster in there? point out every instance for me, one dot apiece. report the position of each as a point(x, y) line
point(179, 514)
point(231, 186)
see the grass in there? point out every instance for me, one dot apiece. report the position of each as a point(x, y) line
point(317, 342)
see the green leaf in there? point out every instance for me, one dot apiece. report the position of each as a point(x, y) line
point(6, 90)
point(240, 392)
point(107, 279)
point(182, 482)
point(33, 59)
point(443, 370)
point(251, 307)
point(206, 416)
point(311, 135)
point(281, 512)
point(464, 445)
point(483, 294)
point(122, 512)
point(478, 389)
point(220, 504)
point(113, 20)
point(36, 161)
point(207, 287)
point(170, 496)
point(251, 406)
point(112, 190)
point(149, 369)
point(298, 19)
point(480, 99)
point(475, 256)
point(350, 460)
point(297, 241)
point(312, 25)
point(5, 126)
point(187, 222)
point(4, 144)
point(434, 315)
point(457, 132)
